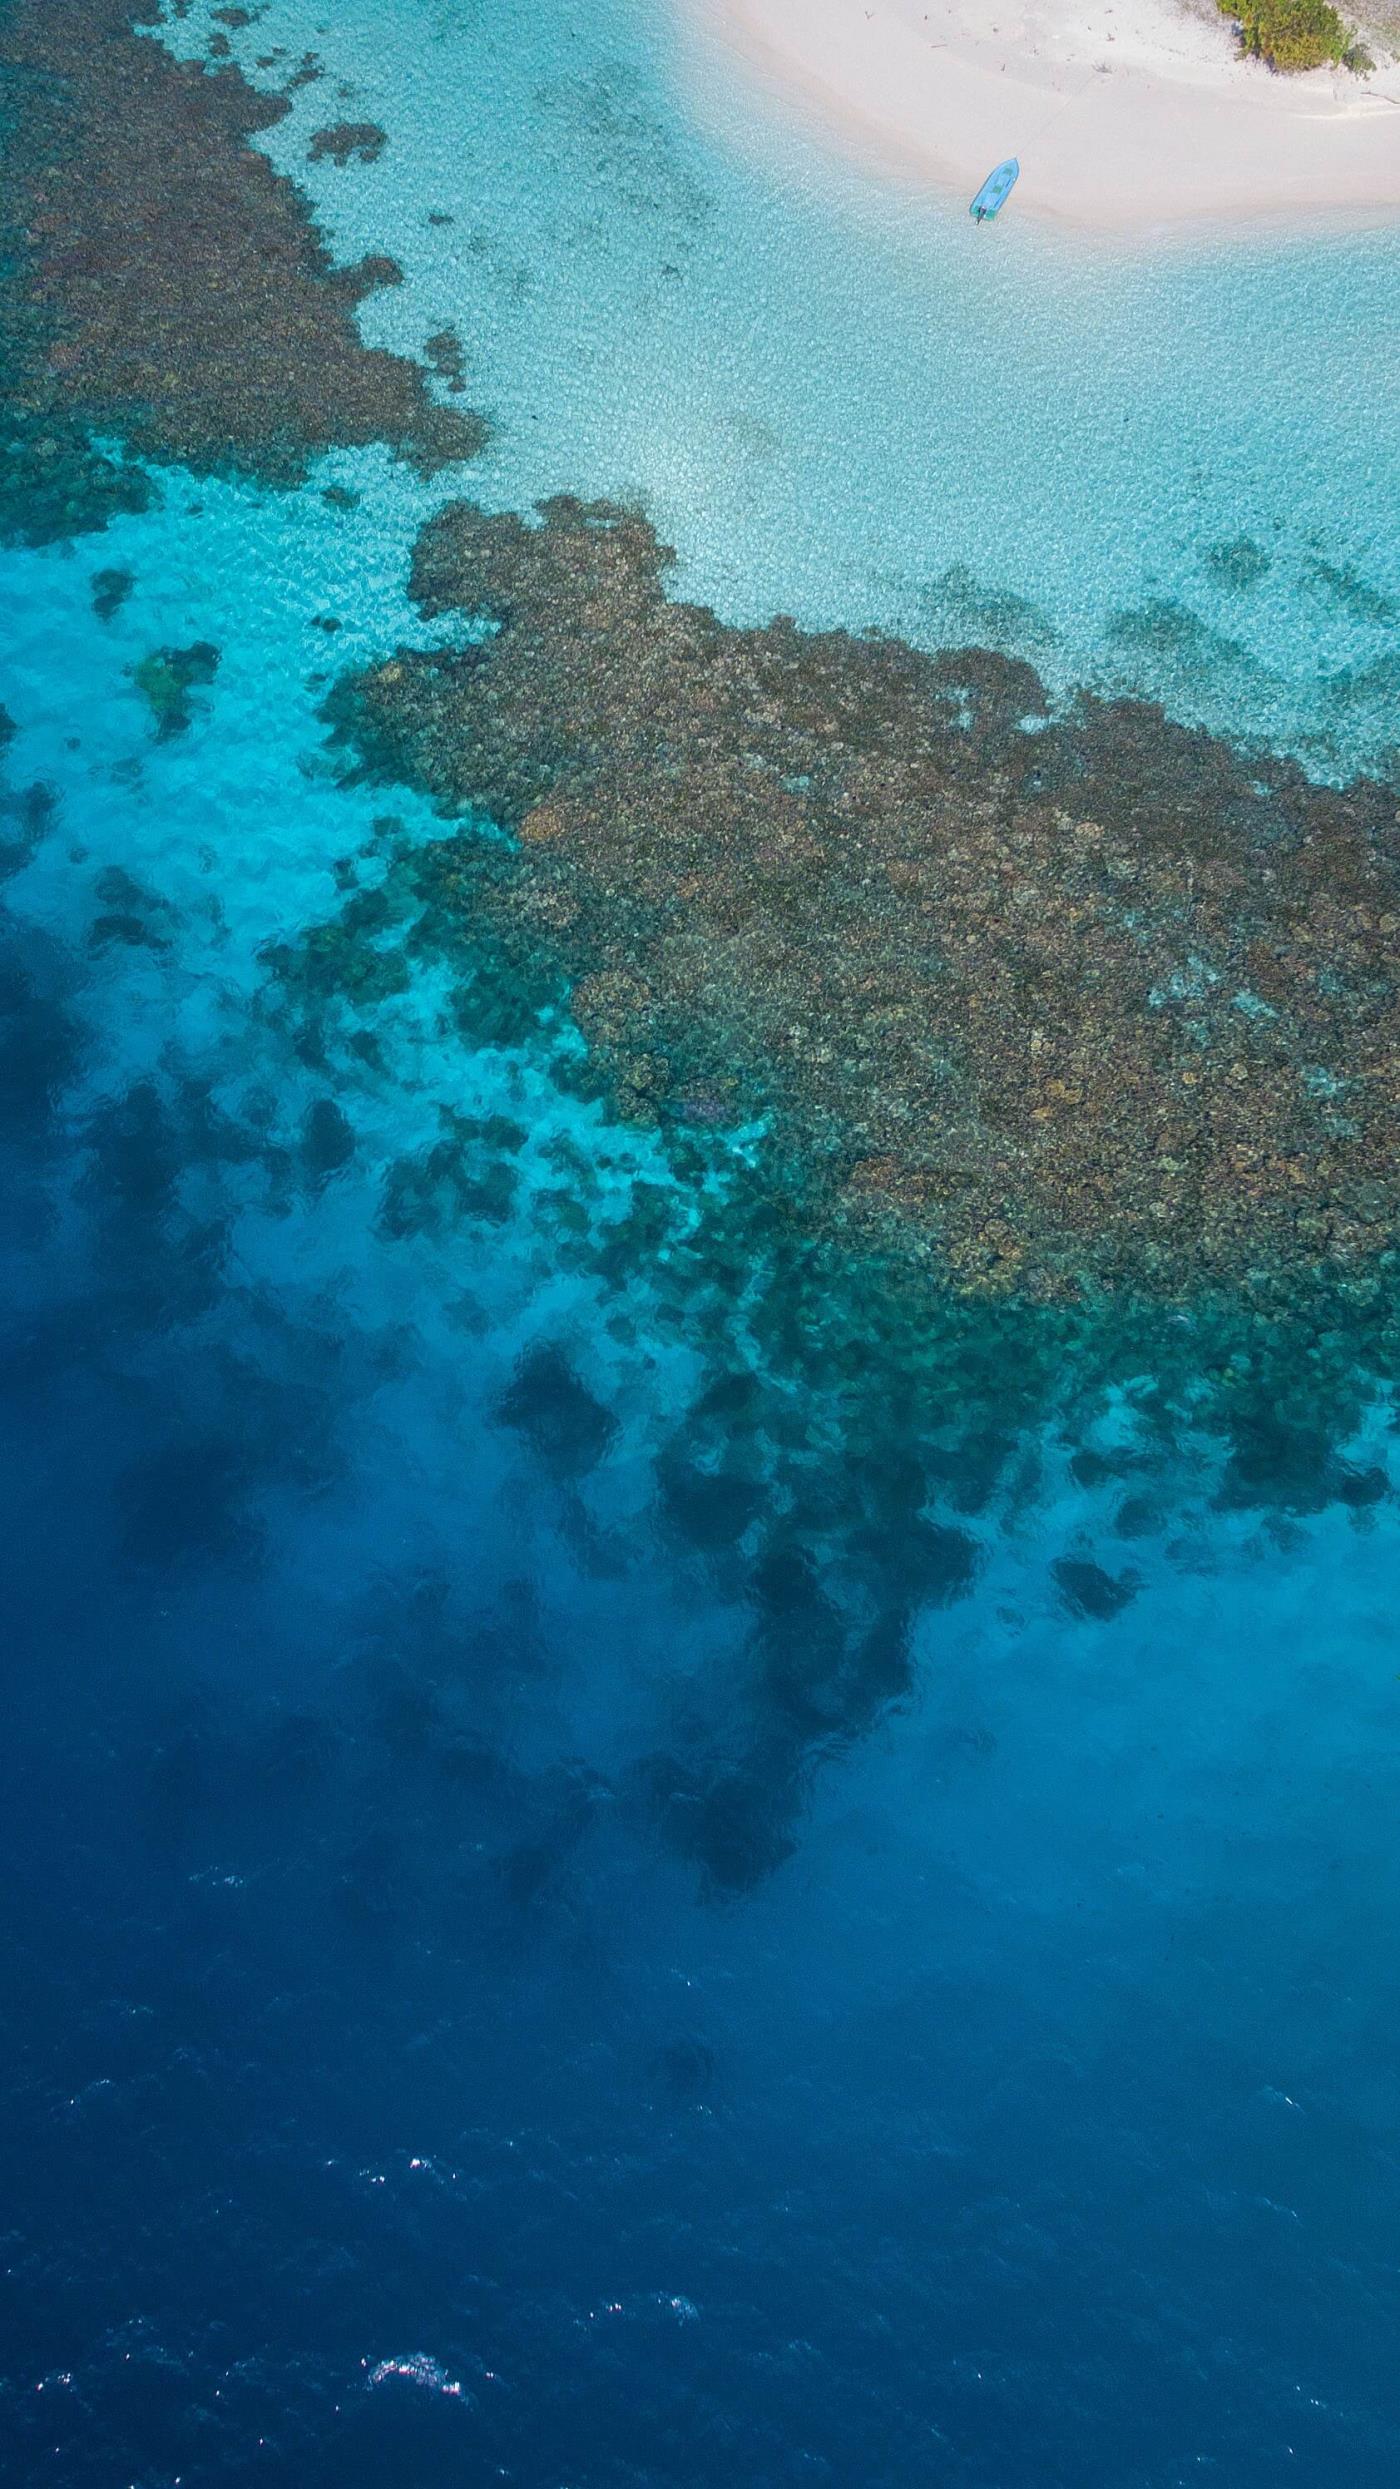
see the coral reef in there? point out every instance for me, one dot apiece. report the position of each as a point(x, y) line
point(345, 142)
point(1062, 1002)
point(444, 353)
point(851, 1436)
point(167, 678)
point(164, 288)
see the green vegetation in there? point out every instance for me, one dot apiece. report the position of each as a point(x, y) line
point(1296, 34)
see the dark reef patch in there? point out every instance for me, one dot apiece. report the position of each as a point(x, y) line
point(1355, 595)
point(26, 815)
point(556, 1413)
point(468, 1173)
point(1065, 1004)
point(167, 678)
point(346, 142)
point(1238, 564)
point(110, 590)
point(1089, 1593)
point(327, 1140)
point(443, 351)
point(128, 914)
point(163, 288)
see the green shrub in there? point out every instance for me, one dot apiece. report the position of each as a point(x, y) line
point(1294, 34)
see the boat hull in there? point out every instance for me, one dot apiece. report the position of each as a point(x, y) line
point(995, 190)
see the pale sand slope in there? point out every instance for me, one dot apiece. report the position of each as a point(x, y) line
point(1122, 111)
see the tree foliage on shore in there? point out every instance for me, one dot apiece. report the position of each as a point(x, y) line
point(1294, 35)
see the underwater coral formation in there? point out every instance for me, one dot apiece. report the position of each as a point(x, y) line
point(1064, 1001)
point(164, 287)
point(346, 142)
point(832, 1435)
point(1091, 1017)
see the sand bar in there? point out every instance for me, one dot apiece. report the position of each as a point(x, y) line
point(1123, 112)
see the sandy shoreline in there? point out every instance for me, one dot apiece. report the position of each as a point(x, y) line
point(1123, 112)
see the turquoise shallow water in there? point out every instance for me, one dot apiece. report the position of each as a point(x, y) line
point(861, 409)
point(1002, 2090)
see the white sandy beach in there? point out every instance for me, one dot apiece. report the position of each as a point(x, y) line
point(1122, 112)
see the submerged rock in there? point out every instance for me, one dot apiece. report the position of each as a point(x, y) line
point(362, 142)
point(166, 679)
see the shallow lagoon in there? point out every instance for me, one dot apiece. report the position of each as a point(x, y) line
point(998, 2085)
point(862, 409)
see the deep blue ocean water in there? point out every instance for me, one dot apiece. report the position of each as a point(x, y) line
point(1003, 2092)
